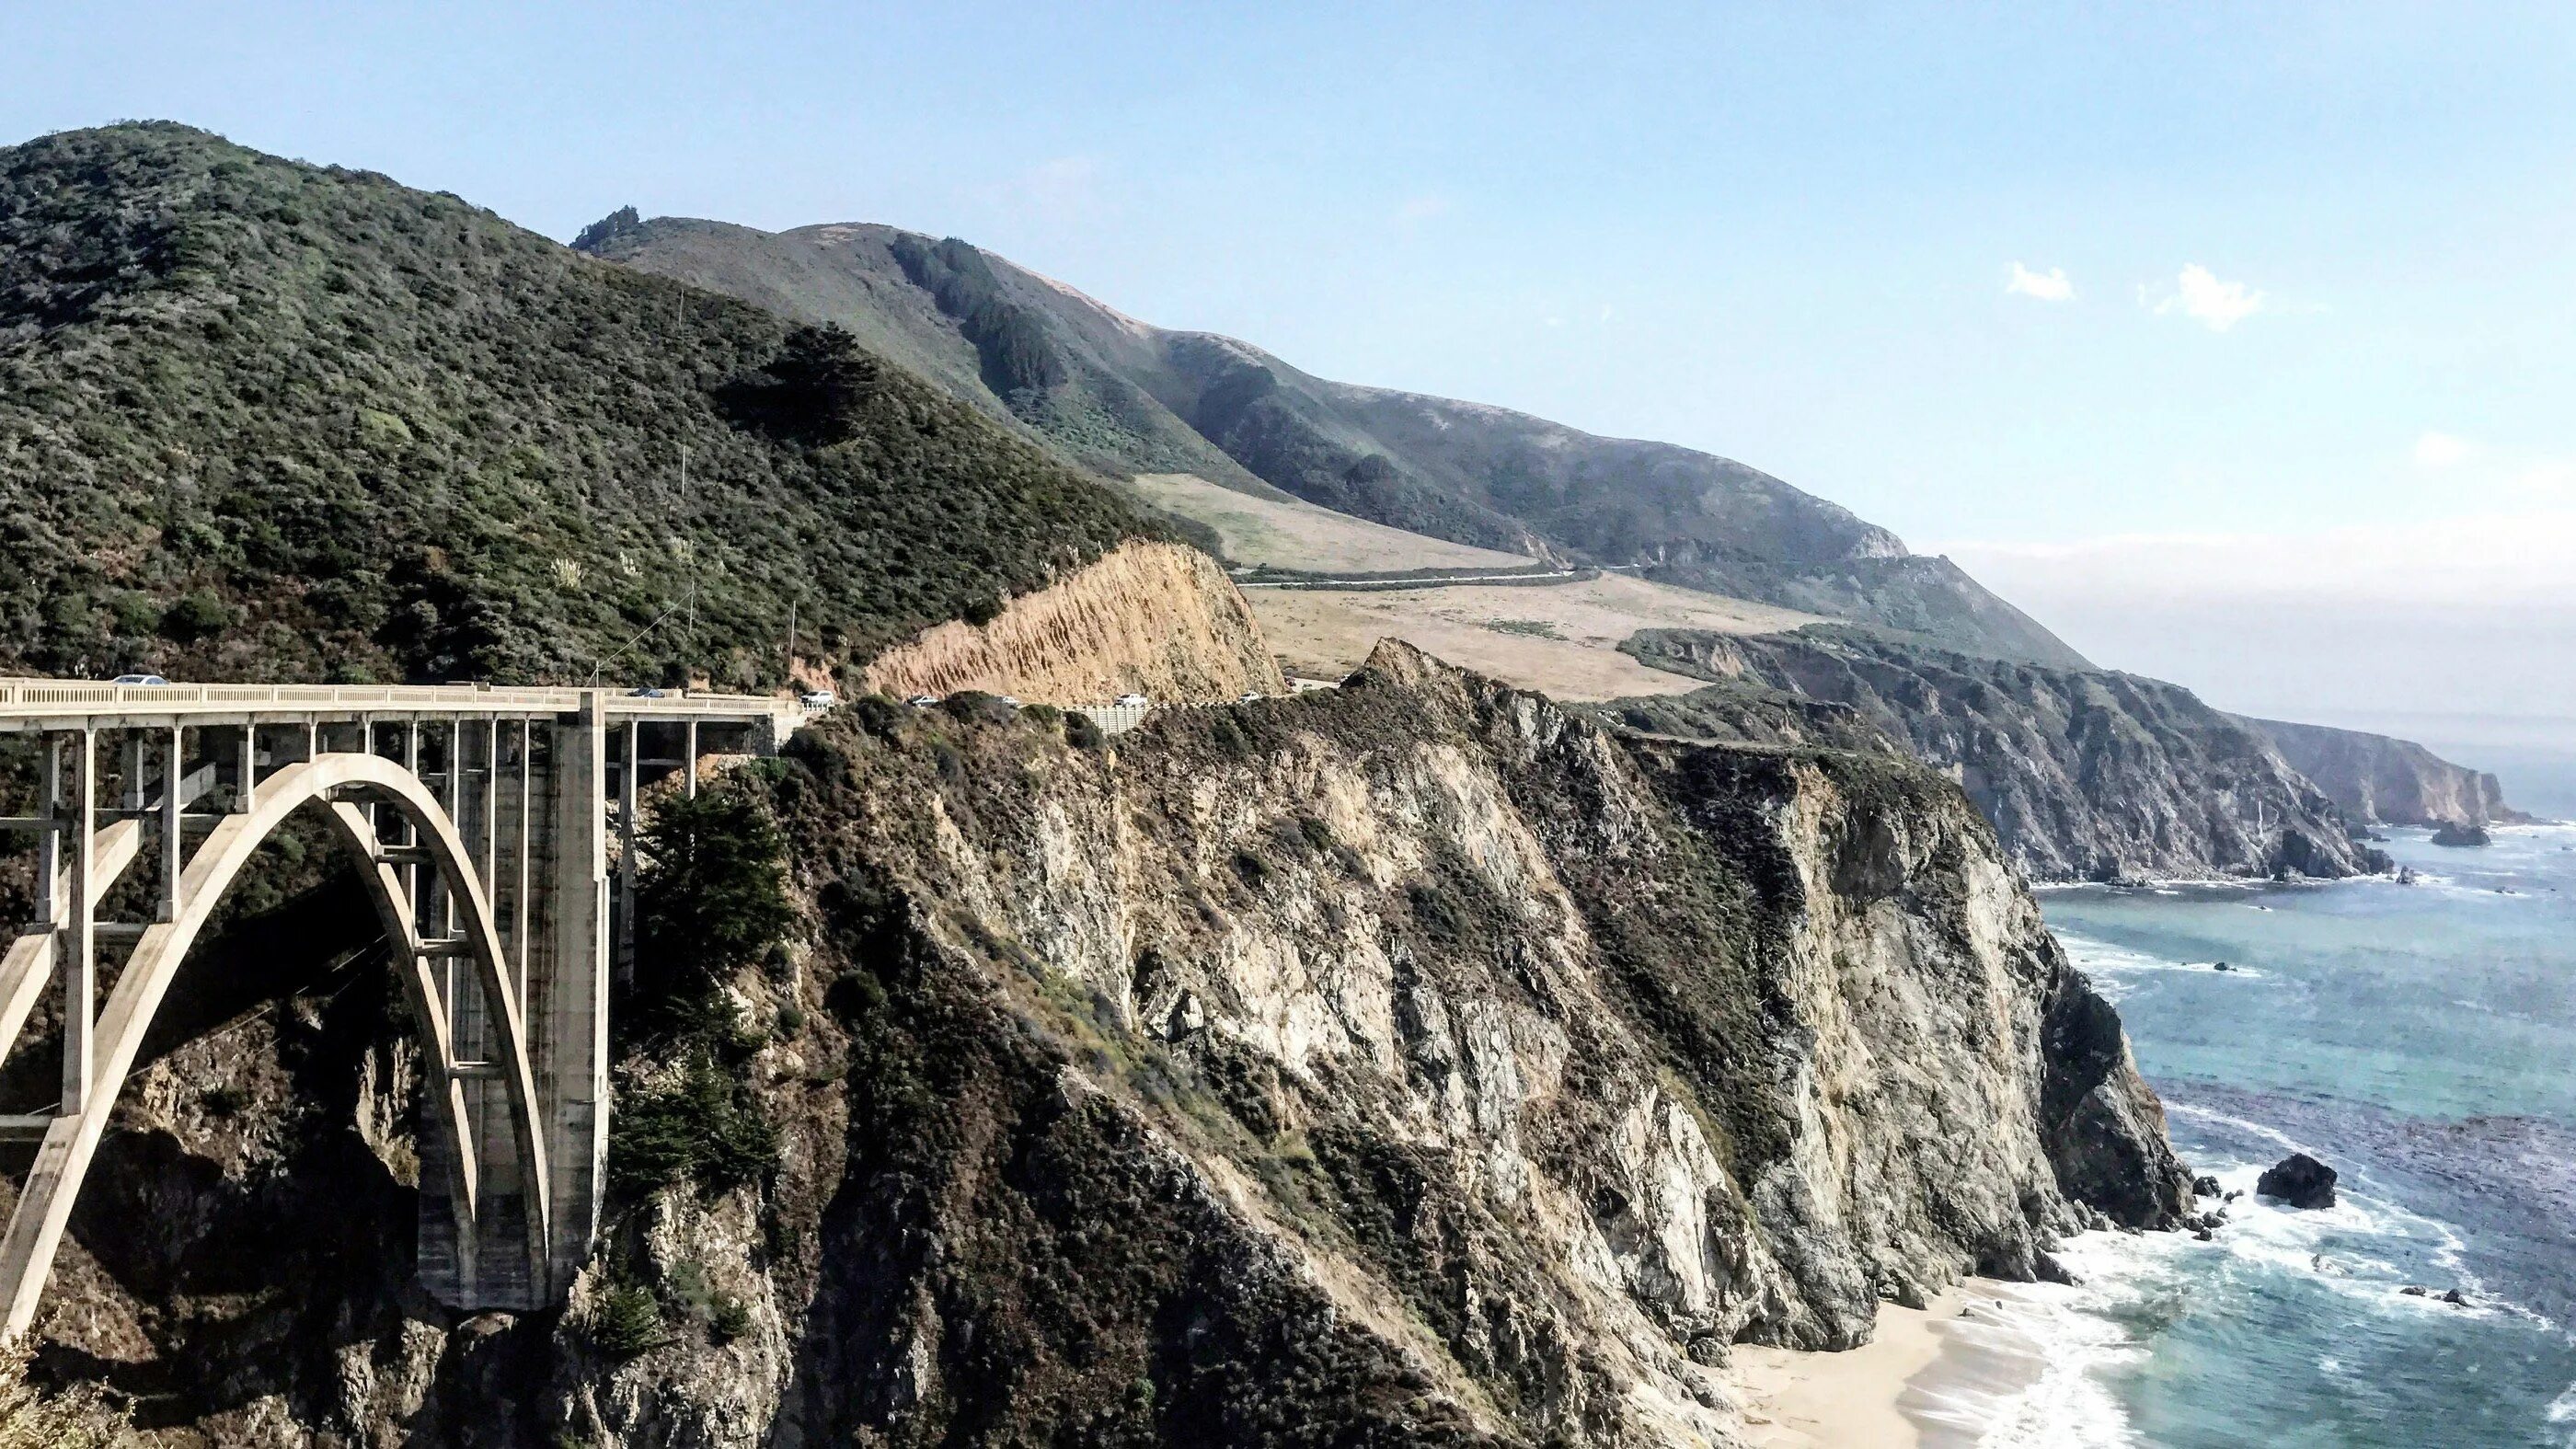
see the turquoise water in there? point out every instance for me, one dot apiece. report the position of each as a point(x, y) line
point(2421, 1039)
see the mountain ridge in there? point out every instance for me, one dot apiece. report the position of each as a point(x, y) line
point(1125, 397)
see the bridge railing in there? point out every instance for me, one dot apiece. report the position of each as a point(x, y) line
point(51, 697)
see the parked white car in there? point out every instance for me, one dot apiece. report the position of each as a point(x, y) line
point(818, 699)
point(922, 701)
point(1131, 701)
point(138, 679)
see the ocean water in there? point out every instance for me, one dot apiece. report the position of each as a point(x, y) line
point(2422, 1040)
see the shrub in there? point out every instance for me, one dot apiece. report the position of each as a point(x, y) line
point(711, 898)
point(728, 1318)
point(704, 1128)
point(977, 707)
point(627, 1322)
point(77, 1418)
point(196, 615)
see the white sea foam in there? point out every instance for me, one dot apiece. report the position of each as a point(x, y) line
point(2111, 967)
point(2358, 1248)
point(2023, 1368)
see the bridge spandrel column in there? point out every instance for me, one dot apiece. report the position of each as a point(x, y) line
point(567, 980)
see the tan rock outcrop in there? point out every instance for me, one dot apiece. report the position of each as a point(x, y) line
point(1160, 619)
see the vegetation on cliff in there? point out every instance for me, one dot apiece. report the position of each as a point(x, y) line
point(260, 419)
point(76, 1418)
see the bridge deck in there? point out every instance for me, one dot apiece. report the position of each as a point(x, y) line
point(40, 704)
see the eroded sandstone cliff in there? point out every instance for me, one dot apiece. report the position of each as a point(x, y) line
point(1413, 1063)
point(1156, 618)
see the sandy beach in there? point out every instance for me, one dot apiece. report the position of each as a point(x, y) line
point(1887, 1394)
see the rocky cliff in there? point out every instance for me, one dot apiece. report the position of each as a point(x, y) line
point(1161, 619)
point(2383, 781)
point(1412, 1063)
point(2086, 774)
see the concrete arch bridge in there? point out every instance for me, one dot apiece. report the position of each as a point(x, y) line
point(480, 821)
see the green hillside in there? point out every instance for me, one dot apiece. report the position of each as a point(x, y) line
point(1123, 397)
point(266, 420)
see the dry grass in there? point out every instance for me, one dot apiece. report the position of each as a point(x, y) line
point(1560, 639)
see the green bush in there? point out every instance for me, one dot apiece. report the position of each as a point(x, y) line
point(196, 615)
point(627, 1323)
point(728, 1318)
point(704, 1129)
point(711, 898)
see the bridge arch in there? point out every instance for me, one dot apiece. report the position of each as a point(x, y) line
point(352, 791)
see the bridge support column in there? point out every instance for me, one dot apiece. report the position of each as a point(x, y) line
point(568, 982)
point(79, 948)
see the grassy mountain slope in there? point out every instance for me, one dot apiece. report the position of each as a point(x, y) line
point(260, 419)
point(1125, 397)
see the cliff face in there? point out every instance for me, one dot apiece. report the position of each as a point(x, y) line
point(2086, 774)
point(2378, 780)
point(1157, 618)
point(1409, 1063)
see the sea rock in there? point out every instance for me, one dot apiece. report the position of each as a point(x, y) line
point(2463, 836)
point(2204, 1187)
point(2299, 1180)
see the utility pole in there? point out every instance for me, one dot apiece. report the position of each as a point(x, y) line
point(688, 651)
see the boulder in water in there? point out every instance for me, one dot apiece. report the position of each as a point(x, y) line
point(2204, 1187)
point(2462, 836)
point(2299, 1180)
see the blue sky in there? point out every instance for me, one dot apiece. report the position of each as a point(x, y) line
point(2293, 332)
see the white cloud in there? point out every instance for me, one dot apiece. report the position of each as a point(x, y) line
point(2441, 450)
point(2047, 286)
point(2216, 305)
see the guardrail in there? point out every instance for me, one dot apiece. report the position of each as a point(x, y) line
point(1113, 719)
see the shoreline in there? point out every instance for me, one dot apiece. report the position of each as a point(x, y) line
point(1914, 1385)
